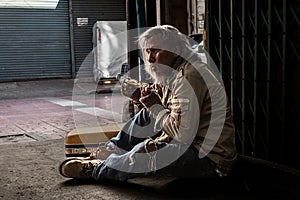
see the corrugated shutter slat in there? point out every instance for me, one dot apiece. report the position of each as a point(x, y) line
point(35, 43)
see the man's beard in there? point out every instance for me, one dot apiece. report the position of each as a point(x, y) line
point(157, 78)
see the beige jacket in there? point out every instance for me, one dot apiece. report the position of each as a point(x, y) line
point(195, 110)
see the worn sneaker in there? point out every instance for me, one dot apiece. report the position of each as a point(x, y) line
point(78, 168)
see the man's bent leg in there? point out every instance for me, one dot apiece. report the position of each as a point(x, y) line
point(136, 130)
point(189, 165)
point(122, 167)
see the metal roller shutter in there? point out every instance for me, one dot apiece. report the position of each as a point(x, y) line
point(91, 11)
point(35, 43)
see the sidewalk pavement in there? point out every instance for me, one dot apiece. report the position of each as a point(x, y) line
point(36, 88)
point(25, 117)
point(29, 169)
point(42, 109)
point(49, 88)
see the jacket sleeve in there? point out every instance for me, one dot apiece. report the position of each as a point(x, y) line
point(180, 120)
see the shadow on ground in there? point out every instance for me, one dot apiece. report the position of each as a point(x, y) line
point(29, 170)
point(251, 179)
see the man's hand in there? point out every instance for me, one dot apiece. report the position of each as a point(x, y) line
point(131, 89)
point(149, 99)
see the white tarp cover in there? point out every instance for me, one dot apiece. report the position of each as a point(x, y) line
point(110, 48)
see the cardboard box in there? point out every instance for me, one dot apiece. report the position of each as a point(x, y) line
point(82, 141)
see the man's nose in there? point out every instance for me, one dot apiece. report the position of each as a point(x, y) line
point(151, 57)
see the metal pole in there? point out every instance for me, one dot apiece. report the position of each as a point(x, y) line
point(267, 104)
point(146, 12)
point(188, 10)
point(255, 76)
point(243, 76)
point(73, 66)
point(158, 12)
point(221, 38)
point(231, 53)
point(284, 21)
point(207, 25)
point(194, 14)
point(139, 13)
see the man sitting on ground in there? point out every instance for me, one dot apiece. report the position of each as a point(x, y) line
point(184, 127)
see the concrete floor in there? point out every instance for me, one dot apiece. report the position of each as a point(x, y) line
point(29, 165)
point(29, 170)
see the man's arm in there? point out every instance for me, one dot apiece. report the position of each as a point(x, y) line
point(181, 119)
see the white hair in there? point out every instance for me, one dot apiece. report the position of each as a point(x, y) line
point(171, 37)
point(168, 34)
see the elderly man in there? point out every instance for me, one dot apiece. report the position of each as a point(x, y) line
point(184, 127)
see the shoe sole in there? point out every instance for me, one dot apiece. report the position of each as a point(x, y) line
point(69, 159)
point(64, 162)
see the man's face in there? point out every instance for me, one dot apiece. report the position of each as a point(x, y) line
point(158, 56)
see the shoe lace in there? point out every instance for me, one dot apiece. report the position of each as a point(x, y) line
point(87, 169)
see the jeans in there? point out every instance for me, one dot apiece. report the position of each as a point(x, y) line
point(130, 158)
